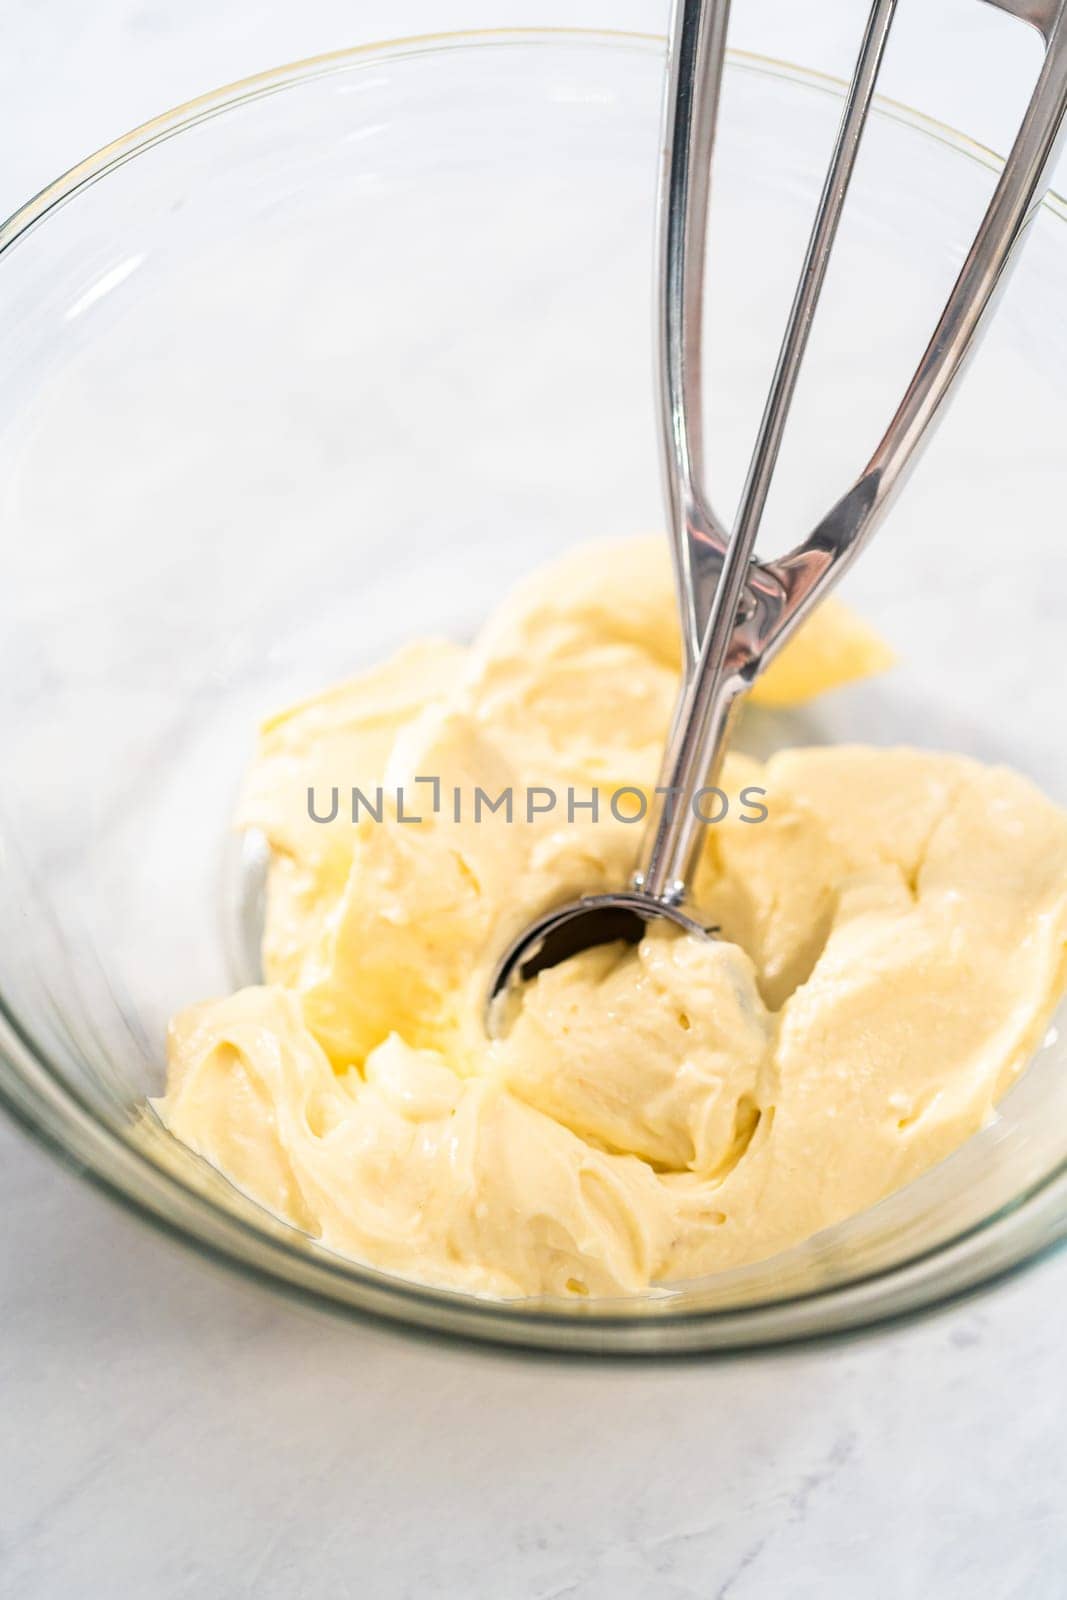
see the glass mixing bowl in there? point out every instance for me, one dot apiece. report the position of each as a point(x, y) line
point(331, 358)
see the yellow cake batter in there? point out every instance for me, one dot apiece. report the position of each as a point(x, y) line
point(893, 937)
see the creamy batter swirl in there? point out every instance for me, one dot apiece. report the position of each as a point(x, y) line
point(892, 945)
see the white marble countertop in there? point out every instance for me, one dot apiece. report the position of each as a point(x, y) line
point(171, 1431)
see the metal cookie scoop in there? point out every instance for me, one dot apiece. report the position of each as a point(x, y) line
point(736, 612)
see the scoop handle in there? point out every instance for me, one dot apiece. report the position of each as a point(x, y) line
point(702, 717)
point(698, 540)
point(805, 575)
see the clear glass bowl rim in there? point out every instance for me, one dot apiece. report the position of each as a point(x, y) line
point(1026, 1231)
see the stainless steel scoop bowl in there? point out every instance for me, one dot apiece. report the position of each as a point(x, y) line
point(736, 612)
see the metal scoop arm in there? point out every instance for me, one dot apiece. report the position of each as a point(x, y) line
point(804, 576)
